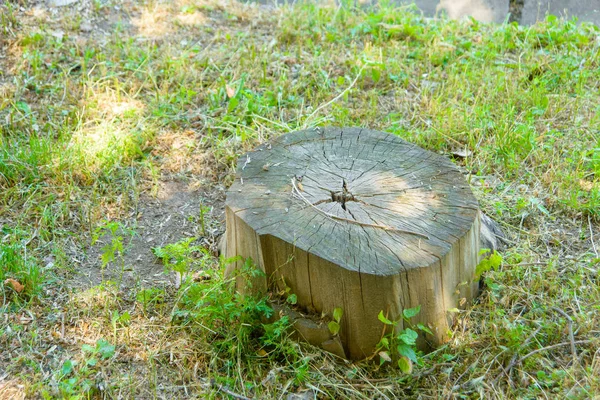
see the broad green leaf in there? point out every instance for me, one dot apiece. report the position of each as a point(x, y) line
point(106, 349)
point(292, 299)
point(375, 74)
point(337, 314)
point(411, 312)
point(405, 365)
point(425, 329)
point(408, 336)
point(383, 319)
point(107, 256)
point(159, 252)
point(87, 348)
point(233, 103)
point(407, 352)
point(334, 327)
point(67, 367)
point(495, 260)
point(125, 317)
point(24, 107)
point(384, 343)
point(492, 262)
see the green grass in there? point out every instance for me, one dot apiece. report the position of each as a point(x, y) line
point(88, 121)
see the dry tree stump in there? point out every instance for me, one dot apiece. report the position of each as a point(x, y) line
point(356, 219)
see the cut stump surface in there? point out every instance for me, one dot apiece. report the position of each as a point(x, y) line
point(356, 219)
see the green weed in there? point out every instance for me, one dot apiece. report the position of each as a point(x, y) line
point(21, 278)
point(402, 343)
point(79, 379)
point(234, 326)
point(114, 249)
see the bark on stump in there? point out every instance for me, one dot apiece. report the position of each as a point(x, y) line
point(356, 219)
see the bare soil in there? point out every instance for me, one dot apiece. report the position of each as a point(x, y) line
point(171, 215)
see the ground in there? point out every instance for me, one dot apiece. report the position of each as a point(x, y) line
point(168, 216)
point(120, 127)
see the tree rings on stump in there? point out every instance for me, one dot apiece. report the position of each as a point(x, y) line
point(359, 220)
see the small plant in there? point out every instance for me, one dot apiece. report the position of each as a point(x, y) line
point(8, 19)
point(19, 273)
point(150, 296)
point(334, 326)
point(234, 325)
point(114, 249)
point(181, 257)
point(402, 342)
point(290, 298)
point(77, 380)
point(204, 210)
point(491, 262)
point(119, 321)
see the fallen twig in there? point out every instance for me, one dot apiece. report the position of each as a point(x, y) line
point(592, 236)
point(336, 97)
point(570, 327)
point(534, 352)
point(526, 264)
point(225, 390)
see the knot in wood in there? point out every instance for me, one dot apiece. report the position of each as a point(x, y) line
point(342, 196)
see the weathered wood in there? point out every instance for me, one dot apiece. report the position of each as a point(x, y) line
point(360, 220)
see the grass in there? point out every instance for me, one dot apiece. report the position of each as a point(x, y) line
point(178, 90)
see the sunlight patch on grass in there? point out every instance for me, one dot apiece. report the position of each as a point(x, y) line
point(179, 152)
point(109, 105)
point(104, 146)
point(153, 22)
point(97, 297)
point(193, 19)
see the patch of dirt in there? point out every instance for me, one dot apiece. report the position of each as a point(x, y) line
point(170, 216)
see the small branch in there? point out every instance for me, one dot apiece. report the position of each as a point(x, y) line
point(526, 264)
point(225, 390)
point(336, 97)
point(571, 336)
point(296, 191)
point(592, 236)
point(526, 356)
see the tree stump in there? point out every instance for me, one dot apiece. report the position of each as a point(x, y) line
point(356, 219)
